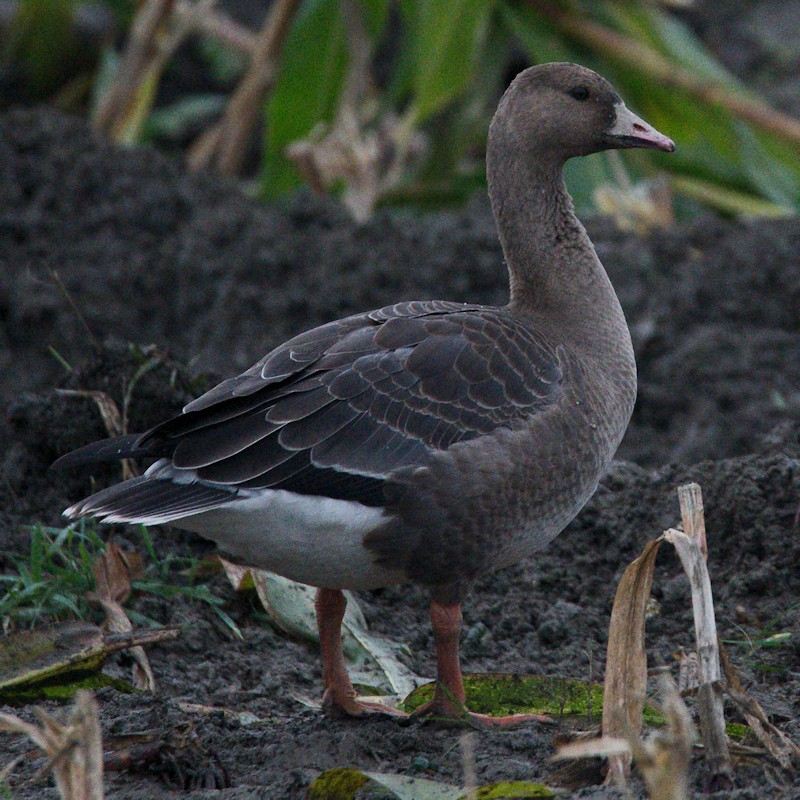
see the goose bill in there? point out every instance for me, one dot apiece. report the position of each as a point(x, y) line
point(629, 130)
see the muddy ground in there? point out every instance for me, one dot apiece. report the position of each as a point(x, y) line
point(151, 255)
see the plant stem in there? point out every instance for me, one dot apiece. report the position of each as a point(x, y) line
point(225, 143)
point(133, 66)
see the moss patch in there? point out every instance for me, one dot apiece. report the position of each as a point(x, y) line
point(501, 695)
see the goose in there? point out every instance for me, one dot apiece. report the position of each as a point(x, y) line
point(428, 441)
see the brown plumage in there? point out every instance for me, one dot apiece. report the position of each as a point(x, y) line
point(427, 441)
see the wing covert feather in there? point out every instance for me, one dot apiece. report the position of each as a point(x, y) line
point(365, 396)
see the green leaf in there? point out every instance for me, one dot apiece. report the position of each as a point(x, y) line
point(128, 131)
point(677, 40)
point(445, 38)
point(123, 10)
point(461, 130)
point(311, 76)
point(728, 200)
point(537, 36)
point(147, 541)
point(179, 118)
point(584, 176)
point(376, 13)
point(769, 177)
point(225, 63)
point(40, 43)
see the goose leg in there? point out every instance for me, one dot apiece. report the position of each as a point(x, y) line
point(339, 692)
point(449, 697)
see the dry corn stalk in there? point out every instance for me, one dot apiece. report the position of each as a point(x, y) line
point(692, 550)
point(626, 666)
point(73, 748)
point(224, 145)
point(662, 758)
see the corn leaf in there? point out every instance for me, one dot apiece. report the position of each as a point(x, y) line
point(445, 38)
point(313, 68)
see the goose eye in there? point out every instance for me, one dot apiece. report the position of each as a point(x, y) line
point(580, 93)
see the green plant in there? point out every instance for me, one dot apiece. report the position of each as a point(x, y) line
point(160, 582)
point(388, 101)
point(51, 581)
point(447, 67)
point(771, 636)
point(40, 45)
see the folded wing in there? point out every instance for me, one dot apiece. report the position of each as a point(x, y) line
point(336, 410)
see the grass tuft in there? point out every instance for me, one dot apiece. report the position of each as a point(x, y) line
point(50, 582)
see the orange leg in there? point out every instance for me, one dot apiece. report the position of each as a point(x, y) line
point(339, 692)
point(449, 697)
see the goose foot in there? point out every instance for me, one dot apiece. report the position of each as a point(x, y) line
point(339, 692)
point(449, 698)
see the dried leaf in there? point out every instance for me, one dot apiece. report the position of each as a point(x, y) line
point(113, 572)
point(117, 622)
point(112, 419)
point(606, 746)
point(639, 207)
point(109, 412)
point(777, 743)
point(241, 718)
point(689, 673)
point(626, 661)
point(663, 759)
point(241, 578)
point(290, 607)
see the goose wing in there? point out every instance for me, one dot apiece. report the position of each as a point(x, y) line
point(337, 409)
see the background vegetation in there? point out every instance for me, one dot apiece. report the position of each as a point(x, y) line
point(389, 100)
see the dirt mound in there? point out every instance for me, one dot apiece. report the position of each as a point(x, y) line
point(152, 255)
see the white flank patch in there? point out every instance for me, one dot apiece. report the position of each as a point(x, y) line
point(313, 540)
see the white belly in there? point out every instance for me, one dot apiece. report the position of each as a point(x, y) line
point(313, 540)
